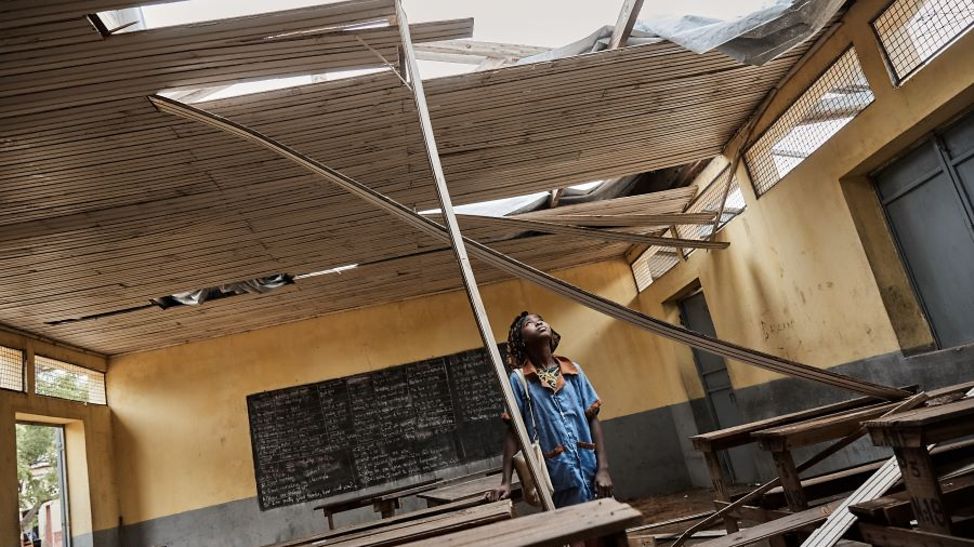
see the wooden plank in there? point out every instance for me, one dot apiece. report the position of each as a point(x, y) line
point(896, 509)
point(459, 250)
point(605, 235)
point(790, 481)
point(926, 498)
point(627, 19)
point(924, 426)
point(738, 435)
point(816, 430)
point(473, 51)
point(36, 90)
point(372, 525)
point(620, 220)
point(774, 528)
point(422, 529)
point(562, 526)
point(21, 13)
point(719, 485)
point(474, 488)
point(883, 536)
point(825, 485)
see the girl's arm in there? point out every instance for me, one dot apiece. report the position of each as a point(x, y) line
point(603, 482)
point(510, 448)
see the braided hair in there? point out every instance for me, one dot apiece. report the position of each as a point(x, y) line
point(516, 350)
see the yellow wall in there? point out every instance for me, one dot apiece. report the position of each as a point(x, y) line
point(182, 436)
point(88, 443)
point(796, 281)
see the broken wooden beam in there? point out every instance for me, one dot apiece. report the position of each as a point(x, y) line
point(634, 220)
point(505, 263)
point(606, 235)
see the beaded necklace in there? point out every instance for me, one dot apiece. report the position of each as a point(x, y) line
point(549, 376)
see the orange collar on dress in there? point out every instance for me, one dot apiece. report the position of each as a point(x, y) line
point(565, 364)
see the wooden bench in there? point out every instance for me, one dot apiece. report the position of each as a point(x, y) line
point(947, 457)
point(781, 440)
point(895, 509)
point(384, 503)
point(775, 528)
point(468, 489)
point(412, 527)
point(605, 518)
point(711, 443)
point(909, 435)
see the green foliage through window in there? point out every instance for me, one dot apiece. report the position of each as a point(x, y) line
point(37, 474)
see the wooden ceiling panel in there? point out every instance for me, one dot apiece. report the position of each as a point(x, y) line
point(386, 282)
point(285, 43)
point(108, 203)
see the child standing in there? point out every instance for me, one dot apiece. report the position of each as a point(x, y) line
point(565, 410)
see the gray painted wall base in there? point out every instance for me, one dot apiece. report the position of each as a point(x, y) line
point(644, 454)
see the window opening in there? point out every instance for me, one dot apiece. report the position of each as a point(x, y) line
point(653, 263)
point(11, 369)
point(708, 201)
point(831, 102)
point(914, 32)
point(42, 492)
point(55, 378)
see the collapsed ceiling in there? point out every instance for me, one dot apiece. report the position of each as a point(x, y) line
point(108, 203)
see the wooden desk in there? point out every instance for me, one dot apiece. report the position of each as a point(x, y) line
point(384, 503)
point(605, 518)
point(781, 440)
point(710, 443)
point(400, 532)
point(468, 489)
point(909, 435)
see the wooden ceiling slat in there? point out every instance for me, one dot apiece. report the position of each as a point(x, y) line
point(39, 90)
point(25, 13)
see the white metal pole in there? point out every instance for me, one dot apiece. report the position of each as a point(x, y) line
point(466, 272)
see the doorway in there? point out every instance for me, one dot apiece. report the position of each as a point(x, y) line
point(42, 486)
point(738, 463)
point(927, 198)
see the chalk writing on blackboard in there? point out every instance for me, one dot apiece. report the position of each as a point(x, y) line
point(319, 440)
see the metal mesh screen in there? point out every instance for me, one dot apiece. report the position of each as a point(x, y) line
point(913, 32)
point(66, 381)
point(708, 201)
point(653, 263)
point(834, 99)
point(11, 369)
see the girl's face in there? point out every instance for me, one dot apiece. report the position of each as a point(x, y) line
point(535, 330)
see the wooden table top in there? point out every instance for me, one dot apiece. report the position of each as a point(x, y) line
point(467, 489)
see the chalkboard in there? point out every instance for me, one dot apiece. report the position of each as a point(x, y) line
point(320, 440)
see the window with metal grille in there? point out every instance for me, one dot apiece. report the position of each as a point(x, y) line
point(833, 100)
point(66, 381)
point(653, 263)
point(11, 369)
point(912, 32)
point(708, 201)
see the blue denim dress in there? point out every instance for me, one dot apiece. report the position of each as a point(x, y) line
point(562, 414)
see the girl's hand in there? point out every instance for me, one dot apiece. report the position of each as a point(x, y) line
point(501, 492)
point(603, 484)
